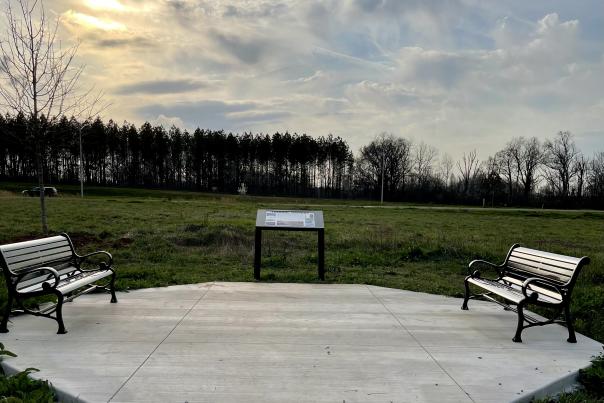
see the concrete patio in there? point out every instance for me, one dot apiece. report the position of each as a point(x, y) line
point(257, 342)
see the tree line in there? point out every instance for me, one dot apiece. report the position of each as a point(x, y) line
point(203, 160)
point(525, 172)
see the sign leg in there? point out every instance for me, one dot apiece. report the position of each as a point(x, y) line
point(257, 253)
point(322, 254)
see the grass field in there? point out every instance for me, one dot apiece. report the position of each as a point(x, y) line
point(161, 238)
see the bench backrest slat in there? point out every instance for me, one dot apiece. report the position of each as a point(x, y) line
point(56, 252)
point(32, 259)
point(17, 254)
point(29, 244)
point(557, 268)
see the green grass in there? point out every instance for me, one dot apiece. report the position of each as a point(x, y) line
point(160, 238)
point(591, 386)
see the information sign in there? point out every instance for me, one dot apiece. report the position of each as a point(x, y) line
point(290, 220)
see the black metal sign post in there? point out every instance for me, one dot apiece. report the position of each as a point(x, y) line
point(289, 220)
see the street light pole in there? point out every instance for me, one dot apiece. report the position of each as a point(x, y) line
point(81, 165)
point(382, 193)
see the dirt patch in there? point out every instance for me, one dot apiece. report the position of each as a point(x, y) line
point(81, 239)
point(21, 238)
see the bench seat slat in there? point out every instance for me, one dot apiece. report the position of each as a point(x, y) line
point(510, 293)
point(41, 276)
point(541, 290)
point(88, 278)
point(69, 284)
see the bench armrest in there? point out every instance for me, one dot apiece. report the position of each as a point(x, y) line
point(475, 273)
point(107, 263)
point(542, 281)
point(26, 272)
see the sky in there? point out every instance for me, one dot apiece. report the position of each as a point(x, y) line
point(456, 74)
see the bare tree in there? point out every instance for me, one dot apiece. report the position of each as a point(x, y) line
point(581, 168)
point(561, 155)
point(38, 78)
point(468, 167)
point(423, 160)
point(528, 159)
point(388, 155)
point(491, 177)
point(595, 176)
point(506, 160)
point(446, 169)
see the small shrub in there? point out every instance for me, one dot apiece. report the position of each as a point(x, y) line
point(592, 378)
point(4, 352)
point(414, 253)
point(20, 388)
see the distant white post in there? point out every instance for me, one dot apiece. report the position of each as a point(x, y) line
point(81, 163)
point(81, 167)
point(382, 193)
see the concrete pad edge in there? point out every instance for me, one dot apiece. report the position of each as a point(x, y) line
point(63, 396)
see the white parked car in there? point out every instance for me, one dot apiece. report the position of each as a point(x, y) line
point(49, 191)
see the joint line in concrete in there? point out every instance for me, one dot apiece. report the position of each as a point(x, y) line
point(403, 327)
point(161, 342)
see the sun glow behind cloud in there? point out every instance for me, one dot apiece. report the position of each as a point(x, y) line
point(89, 21)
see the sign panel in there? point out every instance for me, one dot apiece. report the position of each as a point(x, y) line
point(289, 219)
point(301, 219)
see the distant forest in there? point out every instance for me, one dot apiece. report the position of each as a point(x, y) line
point(527, 172)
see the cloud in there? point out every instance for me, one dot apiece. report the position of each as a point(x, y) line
point(459, 74)
point(160, 87)
point(317, 75)
point(215, 114)
point(369, 5)
point(442, 68)
point(113, 5)
point(254, 116)
point(386, 97)
point(258, 10)
point(117, 42)
point(247, 50)
point(168, 121)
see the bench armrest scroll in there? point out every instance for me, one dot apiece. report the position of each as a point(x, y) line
point(26, 272)
point(108, 263)
point(541, 281)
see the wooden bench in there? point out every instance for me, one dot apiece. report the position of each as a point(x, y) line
point(50, 266)
point(529, 276)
